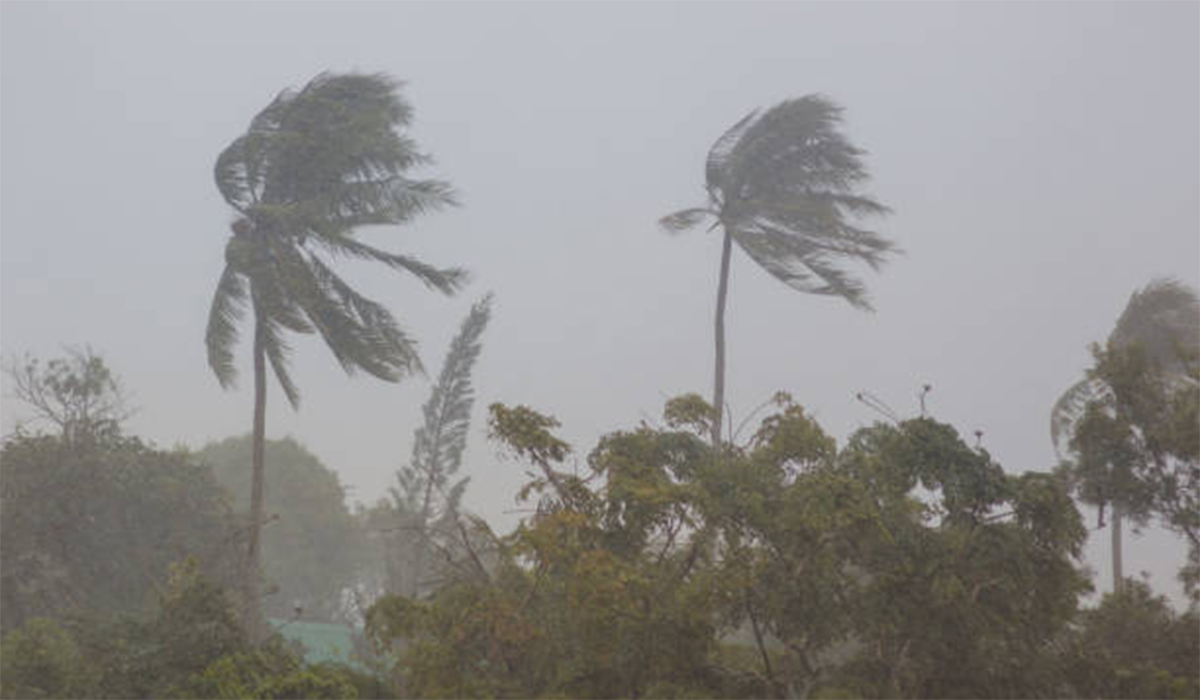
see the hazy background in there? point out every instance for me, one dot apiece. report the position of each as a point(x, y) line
point(1043, 160)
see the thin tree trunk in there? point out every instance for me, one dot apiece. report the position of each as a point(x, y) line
point(719, 370)
point(1117, 571)
point(423, 537)
point(253, 619)
point(431, 470)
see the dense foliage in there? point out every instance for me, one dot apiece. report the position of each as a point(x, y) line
point(1132, 646)
point(905, 565)
point(92, 526)
point(192, 646)
point(1129, 432)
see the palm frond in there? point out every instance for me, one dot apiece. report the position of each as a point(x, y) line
point(228, 308)
point(786, 184)
point(716, 167)
point(335, 141)
point(445, 280)
point(361, 333)
point(1068, 410)
point(795, 148)
point(802, 263)
point(1163, 318)
point(315, 164)
point(683, 219)
point(278, 352)
point(407, 198)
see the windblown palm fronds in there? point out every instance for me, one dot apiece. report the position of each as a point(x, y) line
point(314, 166)
point(784, 184)
point(1163, 320)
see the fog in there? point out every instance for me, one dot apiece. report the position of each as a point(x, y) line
point(1042, 161)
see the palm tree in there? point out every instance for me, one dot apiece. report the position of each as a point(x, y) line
point(784, 184)
point(316, 164)
point(1163, 321)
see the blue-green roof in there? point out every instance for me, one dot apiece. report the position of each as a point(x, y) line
point(322, 641)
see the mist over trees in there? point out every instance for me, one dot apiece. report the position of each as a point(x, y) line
point(670, 558)
point(311, 543)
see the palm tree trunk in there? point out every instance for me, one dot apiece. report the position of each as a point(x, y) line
point(719, 370)
point(1117, 572)
point(253, 619)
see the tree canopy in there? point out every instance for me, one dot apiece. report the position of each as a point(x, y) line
point(784, 568)
point(312, 546)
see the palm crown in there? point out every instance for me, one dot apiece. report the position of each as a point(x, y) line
point(1163, 320)
point(784, 184)
point(316, 164)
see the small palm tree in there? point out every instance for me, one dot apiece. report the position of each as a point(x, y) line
point(1163, 321)
point(784, 185)
point(315, 165)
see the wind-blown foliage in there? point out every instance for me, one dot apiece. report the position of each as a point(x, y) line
point(426, 503)
point(315, 165)
point(781, 569)
point(1107, 428)
point(784, 184)
point(1163, 319)
point(188, 646)
point(90, 527)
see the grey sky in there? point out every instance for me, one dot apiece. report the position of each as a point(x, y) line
point(1043, 160)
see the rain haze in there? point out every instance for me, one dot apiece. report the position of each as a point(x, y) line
point(1042, 161)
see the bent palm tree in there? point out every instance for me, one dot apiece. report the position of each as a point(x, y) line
point(1163, 320)
point(784, 185)
point(316, 164)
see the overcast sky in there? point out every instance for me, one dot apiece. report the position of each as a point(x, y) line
point(1042, 159)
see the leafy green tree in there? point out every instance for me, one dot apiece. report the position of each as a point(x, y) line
point(424, 511)
point(190, 646)
point(781, 568)
point(312, 547)
point(140, 656)
point(270, 671)
point(561, 613)
point(784, 184)
point(89, 527)
point(972, 582)
point(315, 165)
point(1133, 645)
point(41, 660)
point(1108, 427)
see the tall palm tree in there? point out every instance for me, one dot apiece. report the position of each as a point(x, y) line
point(784, 184)
point(315, 165)
point(1163, 320)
